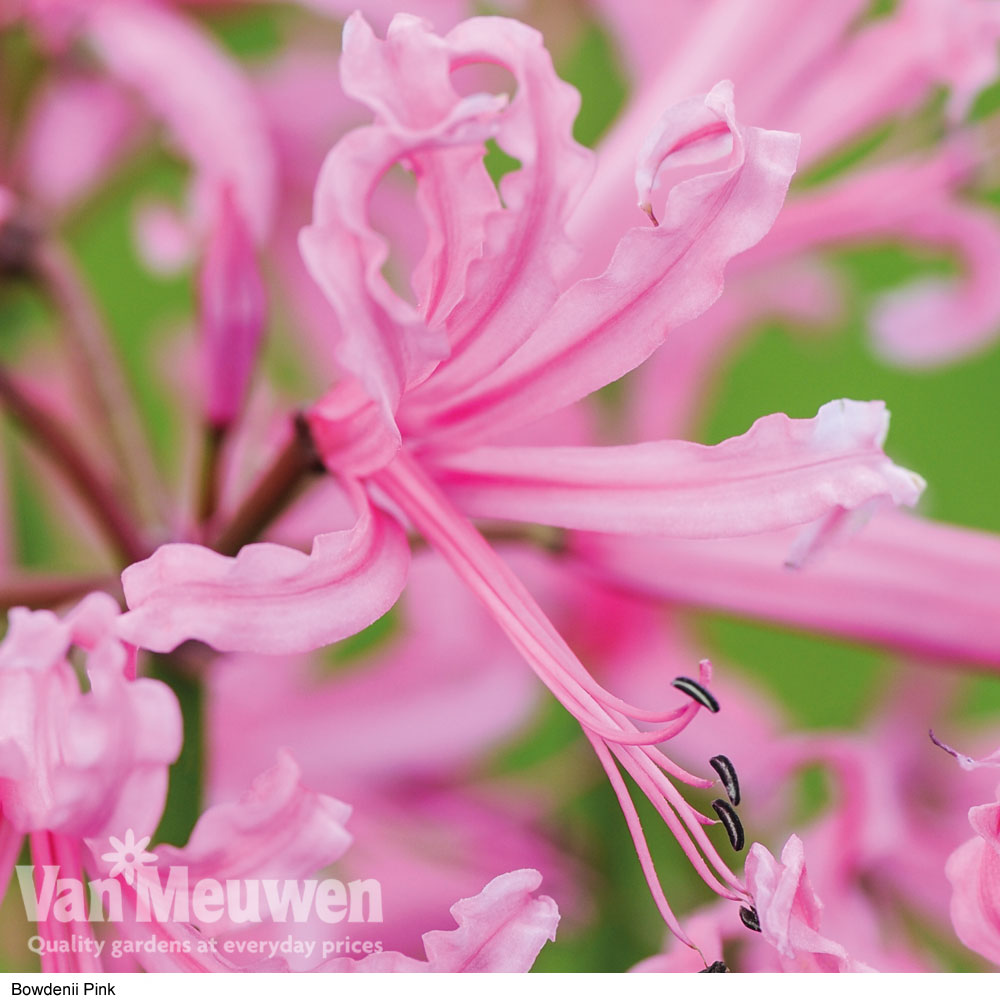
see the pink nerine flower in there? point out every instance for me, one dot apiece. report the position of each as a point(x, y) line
point(78, 762)
point(77, 766)
point(788, 911)
point(499, 337)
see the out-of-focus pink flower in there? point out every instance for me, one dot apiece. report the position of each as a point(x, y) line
point(232, 311)
point(789, 912)
point(74, 762)
point(77, 767)
point(206, 104)
point(76, 130)
point(974, 873)
point(281, 830)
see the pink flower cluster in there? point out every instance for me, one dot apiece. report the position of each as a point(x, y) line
point(469, 471)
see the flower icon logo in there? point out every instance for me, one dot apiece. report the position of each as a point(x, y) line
point(128, 856)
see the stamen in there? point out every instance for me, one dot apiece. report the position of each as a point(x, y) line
point(750, 919)
point(695, 691)
point(608, 722)
point(727, 814)
point(715, 967)
point(723, 767)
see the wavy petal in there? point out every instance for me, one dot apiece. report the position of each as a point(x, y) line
point(500, 930)
point(514, 277)
point(789, 912)
point(269, 598)
point(277, 829)
point(781, 472)
point(384, 341)
point(659, 277)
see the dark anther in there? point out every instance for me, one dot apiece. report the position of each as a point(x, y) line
point(731, 822)
point(715, 967)
point(724, 769)
point(750, 919)
point(694, 690)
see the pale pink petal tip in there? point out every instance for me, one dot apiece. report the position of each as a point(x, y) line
point(691, 134)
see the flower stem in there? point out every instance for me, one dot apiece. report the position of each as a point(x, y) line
point(291, 469)
point(69, 459)
point(44, 591)
point(213, 439)
point(102, 383)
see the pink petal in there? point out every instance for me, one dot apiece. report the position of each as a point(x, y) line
point(780, 472)
point(85, 764)
point(500, 930)
point(77, 129)
point(789, 912)
point(200, 95)
point(384, 341)
point(8, 204)
point(269, 598)
point(931, 589)
point(659, 277)
point(167, 241)
point(278, 829)
point(521, 252)
point(233, 312)
point(974, 872)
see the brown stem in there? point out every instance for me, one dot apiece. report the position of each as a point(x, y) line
point(292, 468)
point(41, 591)
point(69, 460)
point(213, 439)
point(102, 383)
